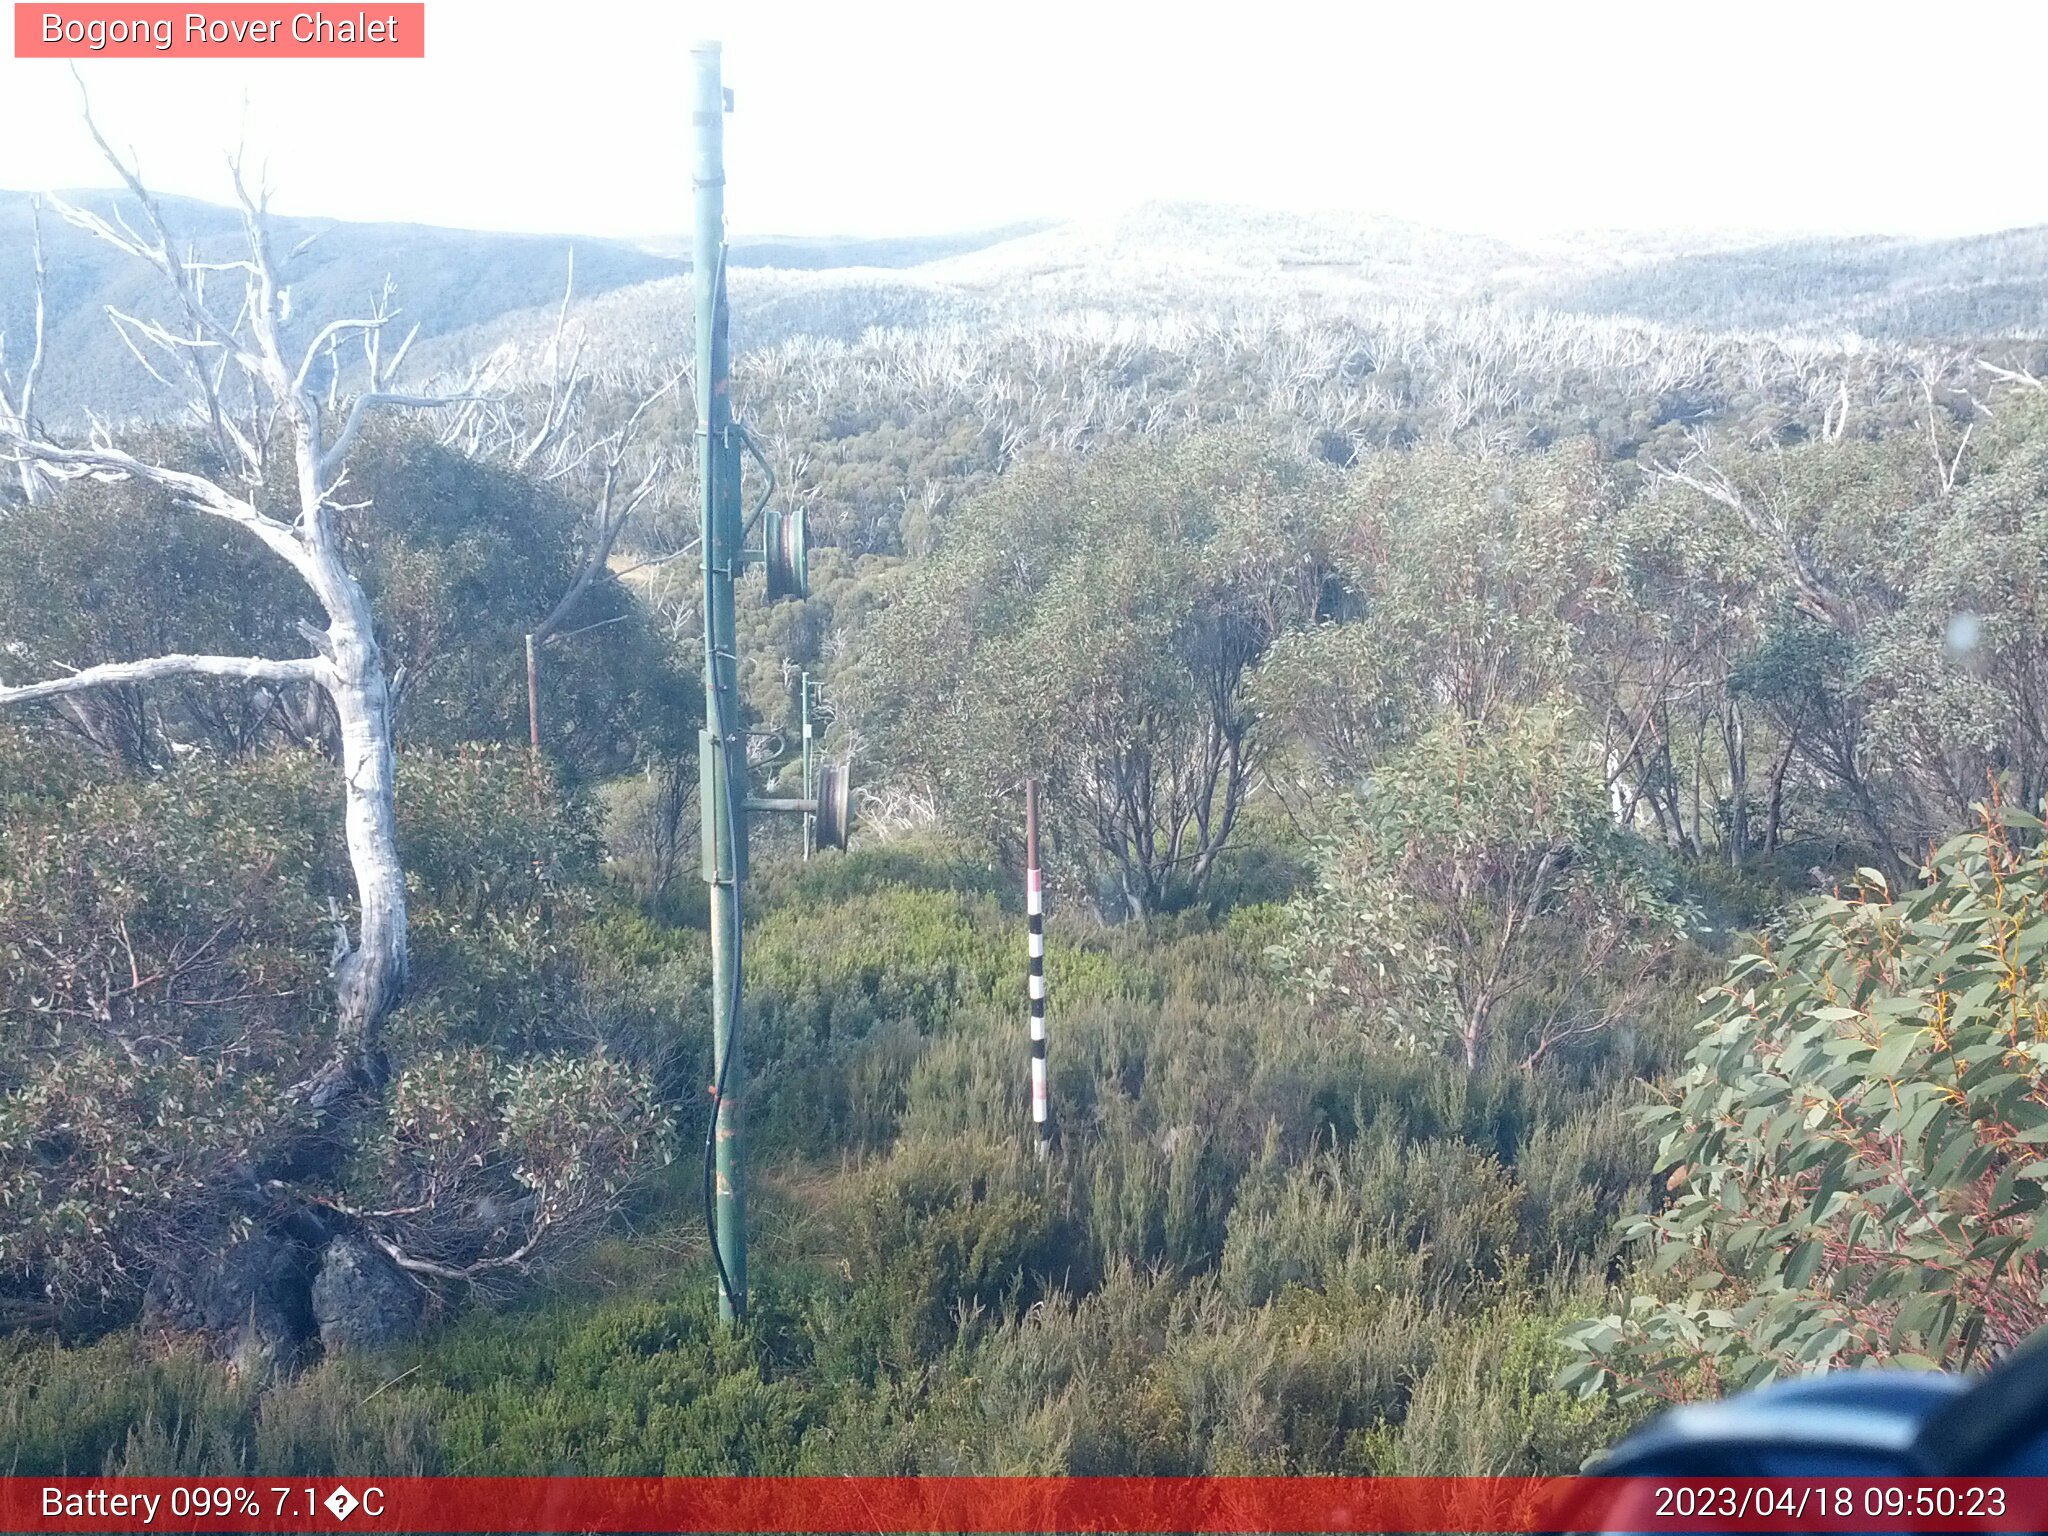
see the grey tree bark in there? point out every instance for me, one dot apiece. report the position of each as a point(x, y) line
point(276, 410)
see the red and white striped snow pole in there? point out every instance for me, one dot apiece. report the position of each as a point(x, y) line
point(1034, 907)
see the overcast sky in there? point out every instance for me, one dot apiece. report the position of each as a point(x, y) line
point(879, 117)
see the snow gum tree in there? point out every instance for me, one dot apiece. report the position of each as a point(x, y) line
point(267, 419)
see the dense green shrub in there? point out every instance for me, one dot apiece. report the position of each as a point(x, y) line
point(647, 1388)
point(1143, 582)
point(162, 984)
point(1459, 732)
point(1490, 1406)
point(1432, 1219)
point(1259, 1247)
point(1577, 1176)
point(947, 1230)
point(118, 1407)
point(164, 936)
point(1855, 1145)
point(1478, 898)
point(459, 561)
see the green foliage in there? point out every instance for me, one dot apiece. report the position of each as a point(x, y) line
point(918, 863)
point(1094, 621)
point(645, 1388)
point(1266, 1242)
point(1481, 898)
point(1457, 735)
point(115, 1407)
point(126, 1407)
point(1465, 583)
point(499, 862)
point(160, 986)
point(844, 995)
point(97, 573)
point(1856, 1141)
point(1577, 1176)
point(944, 1231)
point(522, 1112)
point(459, 560)
point(505, 1166)
point(1433, 1219)
point(1490, 1407)
point(164, 986)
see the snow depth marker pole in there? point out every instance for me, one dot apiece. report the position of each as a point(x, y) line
point(1034, 907)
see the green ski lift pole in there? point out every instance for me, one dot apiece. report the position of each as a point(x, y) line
point(826, 802)
point(722, 744)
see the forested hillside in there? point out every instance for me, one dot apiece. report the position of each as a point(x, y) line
point(446, 280)
point(1540, 809)
point(1985, 285)
point(1170, 264)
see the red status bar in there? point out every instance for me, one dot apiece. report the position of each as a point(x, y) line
point(1021, 1504)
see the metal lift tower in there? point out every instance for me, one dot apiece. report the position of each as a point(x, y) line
point(722, 746)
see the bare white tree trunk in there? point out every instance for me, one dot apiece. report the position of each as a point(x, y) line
point(18, 396)
point(281, 405)
point(370, 977)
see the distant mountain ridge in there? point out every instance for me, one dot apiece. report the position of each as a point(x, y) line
point(811, 253)
point(448, 280)
point(469, 289)
point(1969, 286)
point(1907, 289)
point(445, 279)
point(1161, 259)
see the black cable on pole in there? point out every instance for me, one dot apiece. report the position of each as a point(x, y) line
point(716, 701)
point(732, 1049)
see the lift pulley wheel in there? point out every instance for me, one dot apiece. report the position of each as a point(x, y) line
point(786, 554)
point(835, 805)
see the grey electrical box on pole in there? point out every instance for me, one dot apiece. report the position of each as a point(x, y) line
point(722, 744)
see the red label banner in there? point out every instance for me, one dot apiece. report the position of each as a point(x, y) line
point(1021, 1504)
point(228, 31)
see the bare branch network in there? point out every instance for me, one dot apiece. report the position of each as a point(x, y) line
point(223, 348)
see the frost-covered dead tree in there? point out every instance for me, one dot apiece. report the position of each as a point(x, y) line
point(622, 489)
point(260, 410)
point(540, 421)
point(18, 393)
